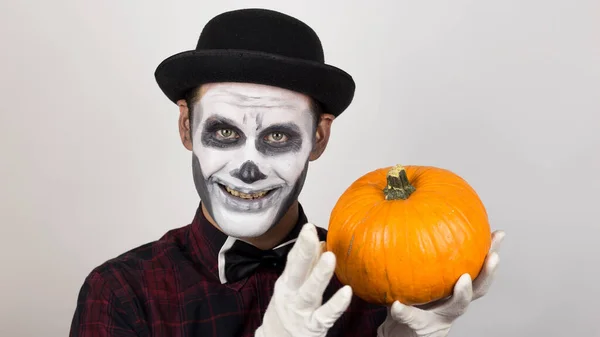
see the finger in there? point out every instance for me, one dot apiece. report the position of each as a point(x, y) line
point(322, 249)
point(327, 314)
point(310, 293)
point(497, 238)
point(411, 316)
point(462, 296)
point(484, 280)
point(323, 245)
point(301, 257)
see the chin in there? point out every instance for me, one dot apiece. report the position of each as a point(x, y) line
point(246, 228)
point(242, 224)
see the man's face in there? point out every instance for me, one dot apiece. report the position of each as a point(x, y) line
point(251, 147)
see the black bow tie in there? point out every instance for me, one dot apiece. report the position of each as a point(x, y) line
point(242, 259)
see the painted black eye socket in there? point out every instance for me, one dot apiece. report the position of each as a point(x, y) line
point(221, 133)
point(226, 135)
point(276, 137)
point(280, 138)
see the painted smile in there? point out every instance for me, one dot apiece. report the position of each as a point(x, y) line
point(245, 198)
point(246, 195)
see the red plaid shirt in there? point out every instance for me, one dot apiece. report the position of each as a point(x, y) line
point(171, 288)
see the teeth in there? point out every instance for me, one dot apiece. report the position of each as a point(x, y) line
point(245, 195)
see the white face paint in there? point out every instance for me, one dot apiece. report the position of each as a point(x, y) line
point(251, 145)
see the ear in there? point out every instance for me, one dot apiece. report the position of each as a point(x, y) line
point(184, 124)
point(322, 136)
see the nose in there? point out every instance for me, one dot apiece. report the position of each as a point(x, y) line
point(248, 173)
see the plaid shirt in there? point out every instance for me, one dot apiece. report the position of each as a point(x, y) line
point(171, 288)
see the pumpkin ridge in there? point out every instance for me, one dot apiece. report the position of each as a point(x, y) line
point(469, 228)
point(361, 198)
point(445, 221)
point(456, 181)
point(447, 246)
point(362, 212)
point(385, 257)
point(419, 215)
point(457, 246)
point(439, 245)
point(360, 228)
point(458, 205)
point(416, 175)
point(412, 253)
point(465, 221)
point(460, 184)
point(415, 284)
point(409, 252)
point(439, 248)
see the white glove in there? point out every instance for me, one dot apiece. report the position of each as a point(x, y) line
point(295, 309)
point(435, 319)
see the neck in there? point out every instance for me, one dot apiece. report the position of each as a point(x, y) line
point(274, 235)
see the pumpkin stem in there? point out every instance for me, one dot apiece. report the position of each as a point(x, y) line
point(398, 186)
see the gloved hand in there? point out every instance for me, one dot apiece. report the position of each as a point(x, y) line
point(435, 319)
point(295, 309)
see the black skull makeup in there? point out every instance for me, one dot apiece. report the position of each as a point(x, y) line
point(251, 145)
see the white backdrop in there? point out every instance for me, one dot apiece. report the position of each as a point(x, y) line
point(504, 93)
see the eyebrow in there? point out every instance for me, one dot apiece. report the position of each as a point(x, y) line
point(288, 127)
point(218, 120)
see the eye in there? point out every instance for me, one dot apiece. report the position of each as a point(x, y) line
point(276, 137)
point(226, 134)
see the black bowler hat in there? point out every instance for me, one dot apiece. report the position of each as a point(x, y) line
point(258, 46)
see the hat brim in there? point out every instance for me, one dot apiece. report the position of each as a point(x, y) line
point(184, 71)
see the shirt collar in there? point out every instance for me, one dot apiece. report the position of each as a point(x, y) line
point(208, 244)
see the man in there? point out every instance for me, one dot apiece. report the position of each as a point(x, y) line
point(256, 104)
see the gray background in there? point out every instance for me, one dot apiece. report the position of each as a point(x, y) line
point(504, 93)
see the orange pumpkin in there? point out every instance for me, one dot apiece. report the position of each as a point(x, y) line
point(408, 234)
